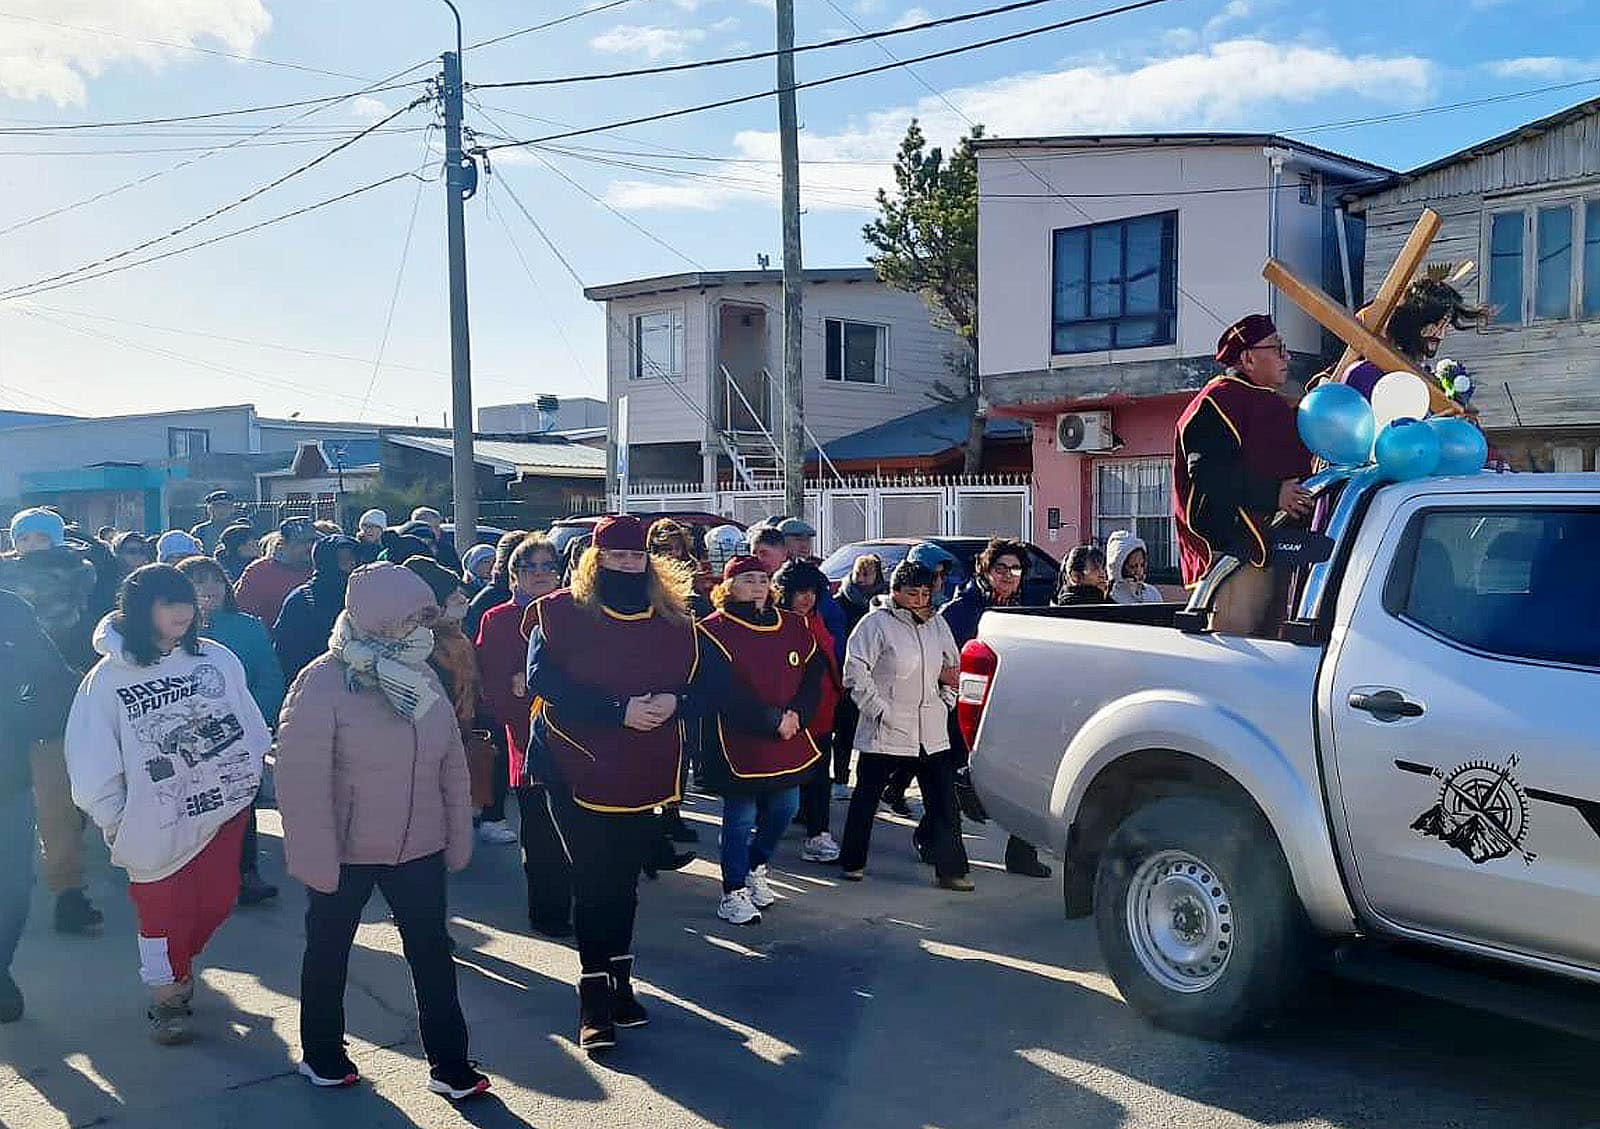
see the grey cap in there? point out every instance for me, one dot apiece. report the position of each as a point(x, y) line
point(796, 527)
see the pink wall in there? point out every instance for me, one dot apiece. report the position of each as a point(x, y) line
point(1066, 481)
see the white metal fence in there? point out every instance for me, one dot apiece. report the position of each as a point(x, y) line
point(864, 509)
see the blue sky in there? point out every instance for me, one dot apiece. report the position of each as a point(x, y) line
point(292, 318)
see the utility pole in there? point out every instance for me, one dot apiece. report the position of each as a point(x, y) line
point(460, 182)
point(794, 450)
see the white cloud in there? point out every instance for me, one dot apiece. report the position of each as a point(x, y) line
point(1198, 89)
point(1544, 67)
point(50, 49)
point(913, 16)
point(727, 23)
point(652, 42)
point(1232, 12)
point(369, 108)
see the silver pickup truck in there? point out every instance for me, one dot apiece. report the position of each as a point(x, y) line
point(1416, 759)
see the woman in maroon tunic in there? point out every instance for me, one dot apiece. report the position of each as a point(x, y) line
point(775, 656)
point(617, 666)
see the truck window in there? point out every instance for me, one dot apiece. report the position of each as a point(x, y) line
point(1515, 583)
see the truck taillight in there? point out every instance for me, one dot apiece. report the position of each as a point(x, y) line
point(978, 664)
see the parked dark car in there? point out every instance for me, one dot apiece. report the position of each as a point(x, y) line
point(565, 531)
point(487, 535)
point(1038, 585)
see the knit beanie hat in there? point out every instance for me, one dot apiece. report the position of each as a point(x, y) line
point(175, 545)
point(39, 520)
point(476, 556)
point(374, 517)
point(440, 580)
point(379, 596)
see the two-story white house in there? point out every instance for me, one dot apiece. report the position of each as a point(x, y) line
point(1525, 207)
point(699, 357)
point(1107, 269)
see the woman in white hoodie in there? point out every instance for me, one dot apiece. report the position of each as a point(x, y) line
point(164, 747)
point(1127, 563)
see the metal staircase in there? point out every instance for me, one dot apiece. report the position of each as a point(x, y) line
point(757, 455)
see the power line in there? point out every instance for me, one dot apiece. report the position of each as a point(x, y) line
point(177, 45)
point(399, 277)
point(602, 202)
point(753, 56)
point(1424, 111)
point(516, 249)
point(245, 142)
point(590, 11)
point(41, 289)
point(67, 127)
point(33, 287)
point(862, 73)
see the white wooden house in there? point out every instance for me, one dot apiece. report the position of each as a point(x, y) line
point(698, 356)
point(1524, 206)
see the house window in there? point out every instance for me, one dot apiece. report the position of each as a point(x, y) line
point(657, 346)
point(1544, 263)
point(855, 351)
point(1115, 285)
point(1591, 259)
point(1136, 495)
point(182, 442)
point(1552, 291)
point(1505, 268)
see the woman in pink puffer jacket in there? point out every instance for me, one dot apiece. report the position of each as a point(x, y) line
point(373, 791)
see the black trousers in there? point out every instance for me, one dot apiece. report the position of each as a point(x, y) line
point(415, 892)
point(816, 794)
point(845, 718)
point(940, 829)
point(607, 852)
point(249, 848)
point(544, 859)
point(501, 775)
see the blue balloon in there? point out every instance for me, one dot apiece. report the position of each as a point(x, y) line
point(1407, 449)
point(1336, 424)
point(1462, 447)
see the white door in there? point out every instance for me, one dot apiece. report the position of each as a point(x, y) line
point(1466, 718)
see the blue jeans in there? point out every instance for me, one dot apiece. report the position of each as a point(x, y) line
point(16, 871)
point(768, 815)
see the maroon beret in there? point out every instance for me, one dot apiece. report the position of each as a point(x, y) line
point(742, 564)
point(1241, 335)
point(623, 531)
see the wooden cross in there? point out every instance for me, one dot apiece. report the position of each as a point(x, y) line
point(1361, 333)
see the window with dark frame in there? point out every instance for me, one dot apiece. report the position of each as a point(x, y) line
point(854, 351)
point(1115, 285)
point(1505, 267)
point(1543, 262)
point(182, 442)
point(658, 346)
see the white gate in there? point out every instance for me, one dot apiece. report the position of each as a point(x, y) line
point(864, 509)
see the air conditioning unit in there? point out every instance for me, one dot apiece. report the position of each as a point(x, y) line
point(1083, 431)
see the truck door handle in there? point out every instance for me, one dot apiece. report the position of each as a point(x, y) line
point(1385, 705)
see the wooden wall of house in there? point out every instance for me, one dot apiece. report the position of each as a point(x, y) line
point(1552, 368)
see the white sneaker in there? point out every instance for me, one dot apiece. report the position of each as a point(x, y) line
point(761, 895)
point(496, 831)
point(841, 791)
point(820, 848)
point(737, 908)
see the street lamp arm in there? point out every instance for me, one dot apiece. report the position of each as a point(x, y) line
point(454, 11)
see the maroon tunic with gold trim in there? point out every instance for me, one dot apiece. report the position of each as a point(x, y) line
point(771, 662)
point(1235, 445)
point(611, 768)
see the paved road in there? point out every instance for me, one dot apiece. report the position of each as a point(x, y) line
point(886, 1005)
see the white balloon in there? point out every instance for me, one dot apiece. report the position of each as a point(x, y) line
point(1399, 395)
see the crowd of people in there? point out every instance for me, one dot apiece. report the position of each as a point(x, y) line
point(397, 697)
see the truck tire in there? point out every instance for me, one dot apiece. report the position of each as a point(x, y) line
point(1197, 916)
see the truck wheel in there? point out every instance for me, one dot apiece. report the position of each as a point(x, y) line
point(1197, 916)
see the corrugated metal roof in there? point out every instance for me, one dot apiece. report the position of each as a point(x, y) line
point(1169, 140)
point(703, 280)
point(556, 459)
point(932, 431)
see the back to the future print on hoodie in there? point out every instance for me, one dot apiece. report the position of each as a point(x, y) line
point(161, 756)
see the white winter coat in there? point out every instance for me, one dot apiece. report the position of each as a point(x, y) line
point(161, 756)
point(1119, 547)
point(891, 668)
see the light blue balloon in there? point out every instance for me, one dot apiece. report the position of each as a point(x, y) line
point(1336, 424)
point(1407, 449)
point(1462, 447)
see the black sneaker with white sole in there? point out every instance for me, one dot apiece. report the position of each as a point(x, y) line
point(457, 1082)
point(334, 1073)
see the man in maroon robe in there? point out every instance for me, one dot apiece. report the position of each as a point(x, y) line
point(1237, 461)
